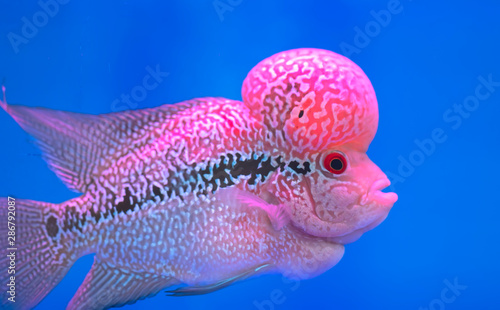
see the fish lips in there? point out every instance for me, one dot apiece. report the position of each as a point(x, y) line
point(374, 198)
point(377, 196)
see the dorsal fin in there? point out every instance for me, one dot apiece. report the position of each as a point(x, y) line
point(74, 145)
point(78, 146)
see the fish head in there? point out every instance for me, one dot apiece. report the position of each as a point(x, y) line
point(344, 192)
point(320, 111)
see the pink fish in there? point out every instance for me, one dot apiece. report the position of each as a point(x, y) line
point(196, 195)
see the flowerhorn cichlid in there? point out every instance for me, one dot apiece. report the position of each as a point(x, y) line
point(194, 196)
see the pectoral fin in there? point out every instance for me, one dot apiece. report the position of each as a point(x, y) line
point(277, 213)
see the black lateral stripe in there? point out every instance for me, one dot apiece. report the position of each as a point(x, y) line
point(227, 171)
point(294, 165)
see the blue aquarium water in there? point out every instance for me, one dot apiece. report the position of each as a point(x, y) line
point(434, 66)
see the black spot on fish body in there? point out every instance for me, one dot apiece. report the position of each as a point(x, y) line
point(128, 203)
point(301, 113)
point(189, 179)
point(266, 168)
point(207, 178)
point(235, 171)
point(294, 165)
point(95, 215)
point(72, 219)
point(281, 164)
point(51, 226)
point(247, 167)
point(220, 173)
point(157, 192)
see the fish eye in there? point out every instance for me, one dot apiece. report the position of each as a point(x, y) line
point(335, 163)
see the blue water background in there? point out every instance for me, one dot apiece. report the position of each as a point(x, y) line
point(428, 57)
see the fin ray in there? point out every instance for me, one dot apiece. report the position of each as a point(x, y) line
point(205, 289)
point(106, 286)
point(77, 146)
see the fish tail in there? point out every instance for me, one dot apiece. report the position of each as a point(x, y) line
point(32, 263)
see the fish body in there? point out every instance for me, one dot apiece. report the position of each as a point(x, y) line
point(209, 191)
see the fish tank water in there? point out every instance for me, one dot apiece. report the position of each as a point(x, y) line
point(433, 65)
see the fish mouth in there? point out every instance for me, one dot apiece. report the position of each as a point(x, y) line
point(383, 203)
point(376, 195)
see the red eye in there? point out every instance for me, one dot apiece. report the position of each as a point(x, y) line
point(335, 163)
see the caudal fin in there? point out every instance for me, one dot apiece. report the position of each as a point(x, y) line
point(32, 263)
